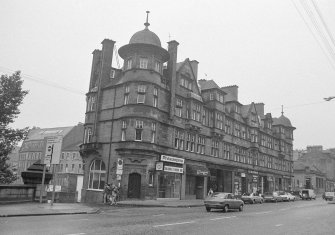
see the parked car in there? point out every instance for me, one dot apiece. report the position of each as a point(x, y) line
point(308, 194)
point(252, 198)
point(296, 194)
point(290, 197)
point(329, 196)
point(283, 196)
point(225, 201)
point(272, 197)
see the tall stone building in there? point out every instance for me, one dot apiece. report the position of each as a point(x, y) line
point(158, 131)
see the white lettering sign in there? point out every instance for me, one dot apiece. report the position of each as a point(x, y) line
point(178, 160)
point(174, 169)
point(53, 150)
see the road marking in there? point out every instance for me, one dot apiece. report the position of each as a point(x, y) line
point(75, 233)
point(226, 217)
point(284, 209)
point(263, 212)
point(159, 215)
point(162, 225)
point(278, 225)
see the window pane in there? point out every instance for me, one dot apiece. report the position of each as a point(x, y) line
point(95, 181)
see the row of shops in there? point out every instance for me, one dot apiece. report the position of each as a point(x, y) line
point(174, 177)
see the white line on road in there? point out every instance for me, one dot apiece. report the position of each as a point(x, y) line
point(162, 225)
point(263, 212)
point(278, 225)
point(226, 217)
point(158, 215)
point(284, 209)
point(75, 234)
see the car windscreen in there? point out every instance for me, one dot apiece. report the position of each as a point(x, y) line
point(246, 194)
point(268, 194)
point(219, 195)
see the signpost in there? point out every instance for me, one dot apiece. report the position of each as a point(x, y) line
point(52, 156)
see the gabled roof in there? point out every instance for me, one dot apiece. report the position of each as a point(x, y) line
point(298, 165)
point(41, 133)
point(207, 84)
point(179, 68)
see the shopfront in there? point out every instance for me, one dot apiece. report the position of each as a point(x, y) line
point(240, 182)
point(196, 181)
point(252, 181)
point(169, 173)
point(220, 180)
point(269, 186)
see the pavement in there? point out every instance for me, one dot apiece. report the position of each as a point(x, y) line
point(37, 209)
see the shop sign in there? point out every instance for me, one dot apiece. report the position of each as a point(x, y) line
point(174, 169)
point(159, 166)
point(242, 174)
point(119, 172)
point(201, 172)
point(178, 160)
point(286, 177)
point(253, 172)
point(254, 178)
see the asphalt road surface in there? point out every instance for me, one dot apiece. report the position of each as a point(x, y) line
point(300, 217)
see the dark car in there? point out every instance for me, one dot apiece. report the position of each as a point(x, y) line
point(225, 201)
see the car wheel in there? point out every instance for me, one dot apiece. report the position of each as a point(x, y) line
point(225, 208)
point(276, 201)
point(241, 207)
point(208, 209)
point(253, 202)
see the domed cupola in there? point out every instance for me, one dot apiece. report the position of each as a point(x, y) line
point(282, 121)
point(144, 43)
point(145, 36)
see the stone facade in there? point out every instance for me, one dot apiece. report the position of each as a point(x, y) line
point(322, 162)
point(157, 131)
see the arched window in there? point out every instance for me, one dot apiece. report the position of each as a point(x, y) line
point(97, 175)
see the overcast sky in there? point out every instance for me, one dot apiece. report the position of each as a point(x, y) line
point(275, 54)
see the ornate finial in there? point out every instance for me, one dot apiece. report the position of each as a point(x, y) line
point(282, 110)
point(147, 23)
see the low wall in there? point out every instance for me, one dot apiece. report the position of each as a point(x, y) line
point(17, 193)
point(63, 197)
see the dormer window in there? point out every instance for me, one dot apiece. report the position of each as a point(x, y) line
point(158, 66)
point(143, 63)
point(129, 64)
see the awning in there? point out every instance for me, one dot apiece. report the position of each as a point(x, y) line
point(199, 170)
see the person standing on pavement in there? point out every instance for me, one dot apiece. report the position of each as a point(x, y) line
point(210, 192)
point(115, 192)
point(106, 193)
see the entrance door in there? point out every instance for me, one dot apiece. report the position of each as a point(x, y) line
point(134, 185)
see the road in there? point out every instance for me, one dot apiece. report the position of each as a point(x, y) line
point(300, 217)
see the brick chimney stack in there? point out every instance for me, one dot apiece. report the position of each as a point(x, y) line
point(171, 67)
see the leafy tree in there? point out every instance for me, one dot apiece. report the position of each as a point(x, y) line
point(11, 96)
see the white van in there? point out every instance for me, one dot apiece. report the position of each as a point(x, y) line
point(308, 194)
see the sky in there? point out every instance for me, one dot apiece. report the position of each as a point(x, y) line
point(278, 52)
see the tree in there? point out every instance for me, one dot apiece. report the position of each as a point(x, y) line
point(11, 96)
